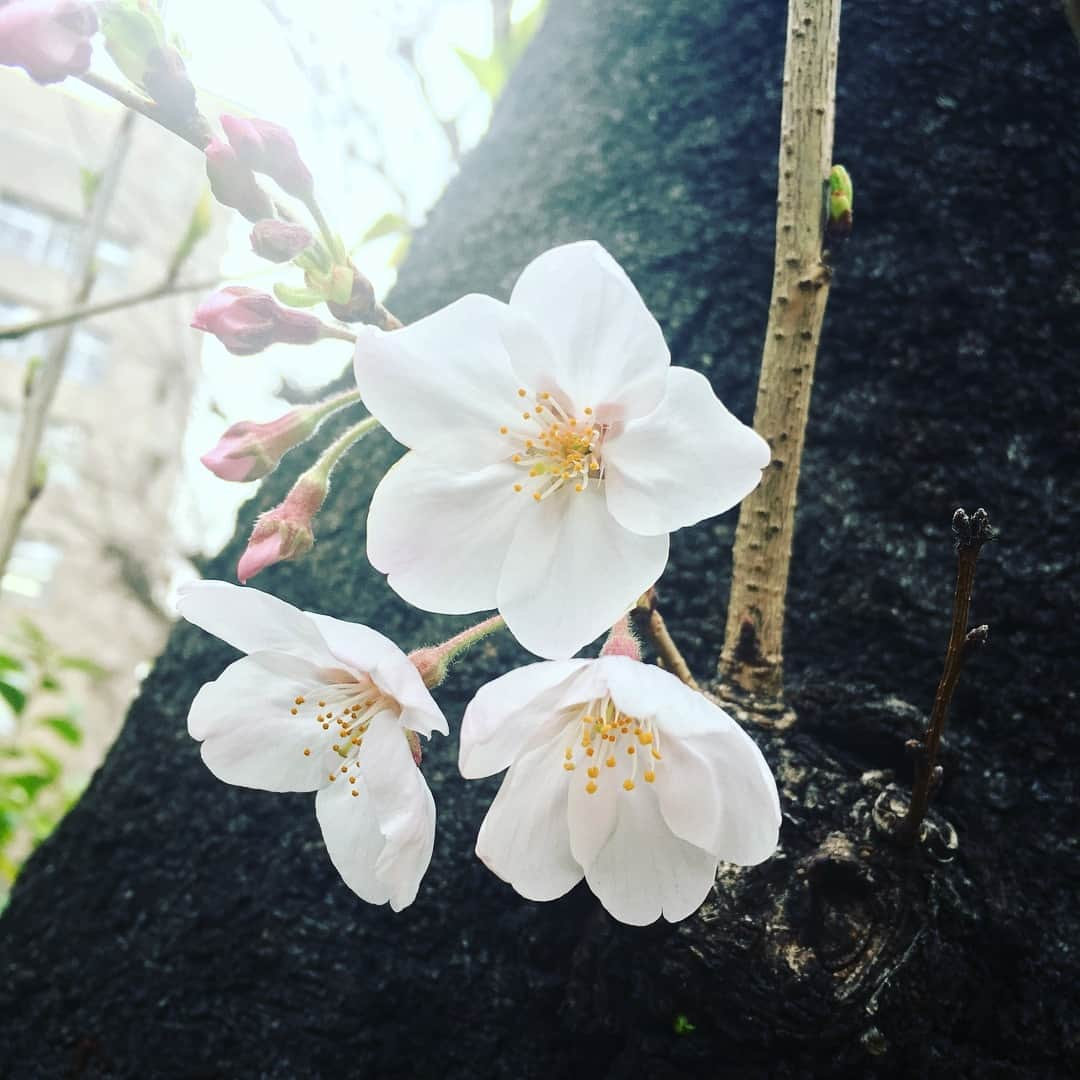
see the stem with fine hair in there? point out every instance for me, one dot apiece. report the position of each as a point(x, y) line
point(752, 656)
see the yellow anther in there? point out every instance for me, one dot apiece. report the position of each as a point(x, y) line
point(322, 704)
point(526, 415)
point(307, 752)
point(588, 410)
point(294, 711)
point(644, 737)
point(579, 487)
point(528, 443)
point(656, 753)
point(536, 495)
point(521, 393)
point(568, 754)
point(650, 776)
point(352, 779)
point(569, 766)
point(299, 700)
point(590, 787)
point(545, 396)
point(333, 777)
point(594, 466)
point(628, 785)
point(630, 749)
point(539, 408)
point(355, 793)
point(590, 751)
point(610, 763)
point(326, 727)
point(594, 772)
point(336, 748)
point(517, 487)
point(516, 458)
point(503, 430)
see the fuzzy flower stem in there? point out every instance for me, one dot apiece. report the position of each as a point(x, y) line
point(652, 622)
point(329, 458)
point(324, 226)
point(434, 662)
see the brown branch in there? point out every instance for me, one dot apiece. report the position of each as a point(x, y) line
point(196, 131)
point(752, 656)
point(648, 617)
point(103, 307)
point(971, 533)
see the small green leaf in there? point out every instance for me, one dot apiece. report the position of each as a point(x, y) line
point(489, 71)
point(11, 663)
point(397, 256)
point(65, 727)
point(199, 225)
point(15, 698)
point(292, 296)
point(387, 225)
point(89, 181)
point(682, 1025)
point(31, 783)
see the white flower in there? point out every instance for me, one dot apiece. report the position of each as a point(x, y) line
point(553, 450)
point(620, 774)
point(327, 706)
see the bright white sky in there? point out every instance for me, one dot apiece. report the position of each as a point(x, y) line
point(240, 59)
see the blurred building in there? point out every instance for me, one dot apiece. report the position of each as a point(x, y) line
point(92, 565)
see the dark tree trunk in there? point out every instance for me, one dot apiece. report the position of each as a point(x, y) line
point(174, 926)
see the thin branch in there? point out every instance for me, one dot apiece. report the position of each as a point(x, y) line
point(103, 307)
point(752, 656)
point(197, 132)
point(24, 479)
point(971, 533)
point(652, 623)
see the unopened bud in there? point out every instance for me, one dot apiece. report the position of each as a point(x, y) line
point(246, 321)
point(841, 204)
point(279, 241)
point(269, 148)
point(249, 451)
point(234, 184)
point(286, 531)
point(49, 39)
point(361, 298)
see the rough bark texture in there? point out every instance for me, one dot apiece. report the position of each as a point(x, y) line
point(753, 640)
point(177, 927)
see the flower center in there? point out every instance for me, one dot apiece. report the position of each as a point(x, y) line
point(612, 747)
point(345, 710)
point(563, 449)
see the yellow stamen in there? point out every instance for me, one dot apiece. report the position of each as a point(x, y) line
point(628, 785)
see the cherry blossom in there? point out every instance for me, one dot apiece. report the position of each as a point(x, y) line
point(621, 774)
point(327, 706)
point(553, 449)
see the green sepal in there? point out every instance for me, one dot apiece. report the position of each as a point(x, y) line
point(133, 32)
point(297, 297)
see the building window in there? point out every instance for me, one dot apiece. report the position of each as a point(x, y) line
point(62, 447)
point(31, 567)
point(41, 237)
point(87, 351)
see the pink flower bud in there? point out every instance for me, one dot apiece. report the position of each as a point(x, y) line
point(50, 39)
point(249, 451)
point(234, 184)
point(269, 148)
point(279, 241)
point(284, 532)
point(246, 321)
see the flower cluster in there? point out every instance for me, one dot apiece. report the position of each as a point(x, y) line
point(551, 450)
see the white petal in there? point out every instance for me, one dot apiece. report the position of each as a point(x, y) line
point(403, 805)
point(748, 828)
point(353, 841)
point(684, 462)
point(592, 817)
point(366, 651)
point(591, 336)
point(572, 571)
point(524, 838)
point(690, 797)
point(508, 713)
point(442, 535)
point(444, 384)
point(644, 870)
point(249, 735)
point(249, 620)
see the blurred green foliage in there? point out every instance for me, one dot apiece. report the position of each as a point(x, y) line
point(39, 718)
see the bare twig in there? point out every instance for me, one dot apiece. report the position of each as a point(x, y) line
point(24, 479)
point(648, 616)
point(196, 131)
point(752, 656)
point(103, 307)
point(971, 533)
